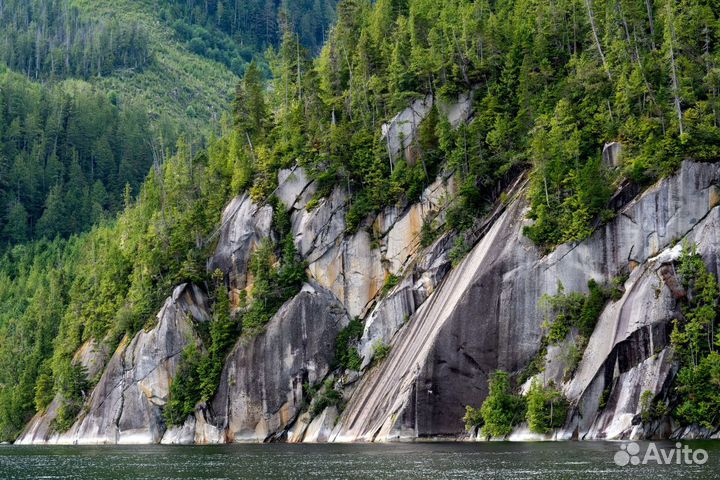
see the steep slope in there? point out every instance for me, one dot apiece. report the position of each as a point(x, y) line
point(485, 317)
point(125, 405)
point(189, 89)
point(380, 213)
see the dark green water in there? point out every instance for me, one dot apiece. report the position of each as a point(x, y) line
point(566, 460)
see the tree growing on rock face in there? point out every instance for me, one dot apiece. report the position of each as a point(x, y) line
point(696, 339)
point(546, 408)
point(223, 333)
point(501, 410)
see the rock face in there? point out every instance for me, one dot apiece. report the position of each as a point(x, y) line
point(399, 134)
point(485, 316)
point(612, 154)
point(125, 405)
point(447, 328)
point(261, 390)
point(244, 225)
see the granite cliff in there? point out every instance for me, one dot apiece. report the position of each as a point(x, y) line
point(443, 327)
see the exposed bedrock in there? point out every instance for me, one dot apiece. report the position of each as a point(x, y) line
point(484, 316)
point(126, 404)
point(261, 387)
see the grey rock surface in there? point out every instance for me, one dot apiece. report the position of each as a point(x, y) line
point(261, 388)
point(244, 225)
point(485, 317)
point(126, 404)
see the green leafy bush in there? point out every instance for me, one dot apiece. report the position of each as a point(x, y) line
point(390, 282)
point(546, 408)
point(346, 354)
point(501, 410)
point(473, 418)
point(329, 396)
point(380, 352)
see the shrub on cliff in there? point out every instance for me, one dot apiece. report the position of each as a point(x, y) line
point(501, 410)
point(546, 408)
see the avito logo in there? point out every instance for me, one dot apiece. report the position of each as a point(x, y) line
point(629, 454)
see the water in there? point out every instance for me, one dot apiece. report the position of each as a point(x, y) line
point(507, 461)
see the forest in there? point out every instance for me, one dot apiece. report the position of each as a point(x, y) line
point(232, 32)
point(52, 39)
point(551, 83)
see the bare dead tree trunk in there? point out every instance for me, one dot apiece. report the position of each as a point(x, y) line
point(673, 70)
point(648, 5)
point(591, 18)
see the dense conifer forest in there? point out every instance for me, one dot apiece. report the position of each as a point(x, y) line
point(551, 83)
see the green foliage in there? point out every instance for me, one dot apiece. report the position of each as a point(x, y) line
point(329, 396)
point(501, 410)
point(380, 352)
point(693, 337)
point(604, 396)
point(72, 386)
point(106, 283)
point(473, 418)
point(546, 408)
point(232, 32)
point(543, 97)
point(52, 38)
point(67, 153)
point(696, 343)
point(699, 390)
point(274, 282)
point(428, 234)
point(646, 406)
point(573, 310)
point(44, 388)
point(391, 282)
point(185, 389)
point(537, 364)
point(224, 330)
point(346, 354)
point(459, 250)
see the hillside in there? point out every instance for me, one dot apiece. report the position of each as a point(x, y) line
point(98, 91)
point(462, 218)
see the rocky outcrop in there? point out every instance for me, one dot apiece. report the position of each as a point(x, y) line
point(126, 404)
point(295, 188)
point(485, 317)
point(244, 225)
point(261, 389)
point(447, 328)
point(400, 132)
